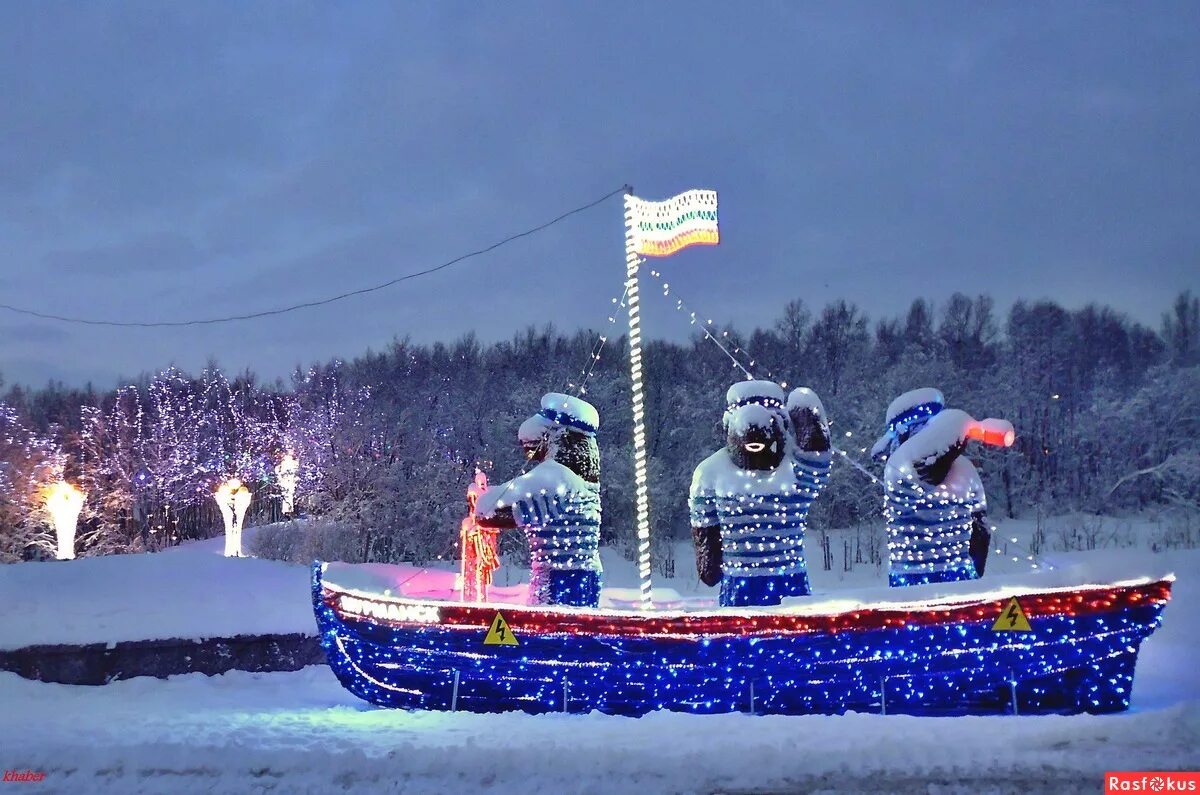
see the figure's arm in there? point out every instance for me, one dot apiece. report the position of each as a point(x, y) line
point(935, 448)
point(500, 519)
point(491, 510)
point(812, 435)
point(706, 535)
point(708, 553)
point(933, 470)
point(981, 541)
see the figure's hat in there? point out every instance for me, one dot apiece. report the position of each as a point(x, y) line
point(570, 412)
point(533, 430)
point(913, 408)
point(804, 398)
point(764, 393)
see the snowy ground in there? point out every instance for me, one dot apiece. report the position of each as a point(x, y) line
point(301, 732)
point(192, 591)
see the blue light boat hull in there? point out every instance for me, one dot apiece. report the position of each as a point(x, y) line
point(937, 658)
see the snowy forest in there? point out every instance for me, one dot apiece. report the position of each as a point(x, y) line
point(1107, 412)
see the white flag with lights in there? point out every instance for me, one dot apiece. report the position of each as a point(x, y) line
point(662, 228)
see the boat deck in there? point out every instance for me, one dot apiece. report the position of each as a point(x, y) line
point(437, 585)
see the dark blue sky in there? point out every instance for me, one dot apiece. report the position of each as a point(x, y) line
point(169, 160)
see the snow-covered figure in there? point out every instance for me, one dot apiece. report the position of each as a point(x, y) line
point(812, 450)
point(934, 501)
point(557, 503)
point(748, 504)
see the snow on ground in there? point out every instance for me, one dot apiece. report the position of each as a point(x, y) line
point(191, 591)
point(301, 732)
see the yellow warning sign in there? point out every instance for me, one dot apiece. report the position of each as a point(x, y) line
point(1012, 619)
point(499, 634)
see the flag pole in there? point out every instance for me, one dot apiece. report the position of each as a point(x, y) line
point(641, 489)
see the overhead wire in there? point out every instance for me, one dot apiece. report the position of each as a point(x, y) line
point(310, 304)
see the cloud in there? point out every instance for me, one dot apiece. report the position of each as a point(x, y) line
point(32, 332)
point(167, 251)
point(175, 161)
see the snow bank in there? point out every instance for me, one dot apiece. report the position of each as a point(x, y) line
point(189, 592)
point(193, 591)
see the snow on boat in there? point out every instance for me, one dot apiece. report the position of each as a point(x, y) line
point(952, 653)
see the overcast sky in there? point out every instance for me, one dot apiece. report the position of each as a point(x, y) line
point(165, 161)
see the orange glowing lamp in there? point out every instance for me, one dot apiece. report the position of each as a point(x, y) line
point(994, 432)
point(63, 503)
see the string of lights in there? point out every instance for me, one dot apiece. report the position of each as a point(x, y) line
point(320, 302)
point(1035, 561)
point(856, 465)
point(641, 476)
point(681, 306)
point(580, 389)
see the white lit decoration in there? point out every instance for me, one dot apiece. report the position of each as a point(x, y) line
point(63, 503)
point(656, 229)
point(285, 473)
point(233, 499)
point(663, 228)
point(391, 611)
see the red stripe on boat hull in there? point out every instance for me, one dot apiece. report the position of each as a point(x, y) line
point(1085, 601)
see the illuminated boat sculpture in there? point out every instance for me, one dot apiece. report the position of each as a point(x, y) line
point(1060, 641)
point(946, 655)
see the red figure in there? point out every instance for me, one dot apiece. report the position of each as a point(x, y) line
point(479, 558)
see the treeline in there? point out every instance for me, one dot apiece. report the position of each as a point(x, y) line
point(1107, 412)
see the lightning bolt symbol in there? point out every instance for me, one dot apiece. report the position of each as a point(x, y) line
point(1012, 615)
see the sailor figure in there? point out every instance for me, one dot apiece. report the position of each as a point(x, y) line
point(748, 506)
point(557, 503)
point(934, 502)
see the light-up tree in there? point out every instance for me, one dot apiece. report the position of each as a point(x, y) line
point(155, 450)
point(233, 499)
point(285, 474)
point(63, 503)
point(29, 461)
